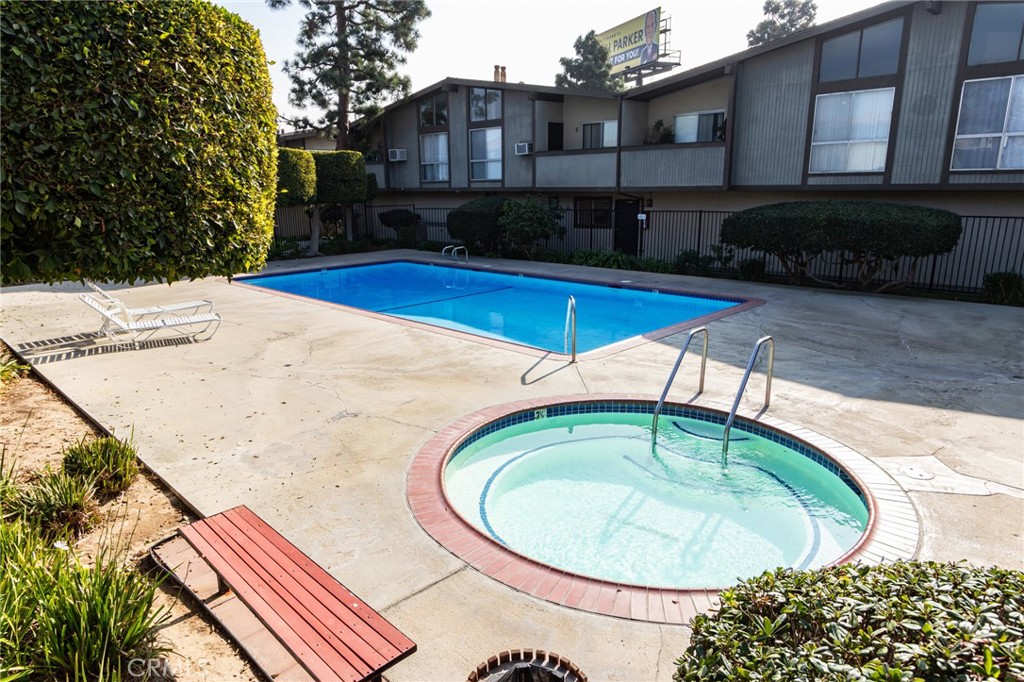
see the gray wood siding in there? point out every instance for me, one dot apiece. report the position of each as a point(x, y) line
point(770, 121)
point(975, 178)
point(844, 180)
point(576, 170)
point(682, 167)
point(403, 132)
point(518, 128)
point(929, 103)
point(458, 137)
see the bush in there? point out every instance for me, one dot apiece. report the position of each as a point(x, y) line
point(1004, 288)
point(340, 178)
point(872, 236)
point(475, 223)
point(752, 269)
point(403, 222)
point(296, 177)
point(59, 504)
point(138, 141)
point(895, 621)
point(62, 620)
point(524, 223)
point(111, 464)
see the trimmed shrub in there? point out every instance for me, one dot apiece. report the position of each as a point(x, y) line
point(111, 464)
point(139, 141)
point(895, 621)
point(403, 222)
point(476, 225)
point(340, 178)
point(296, 177)
point(1004, 288)
point(752, 269)
point(872, 236)
point(524, 223)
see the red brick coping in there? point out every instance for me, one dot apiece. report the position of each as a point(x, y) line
point(893, 510)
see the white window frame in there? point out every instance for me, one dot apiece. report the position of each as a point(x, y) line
point(487, 162)
point(610, 127)
point(697, 114)
point(1004, 135)
point(441, 166)
point(853, 141)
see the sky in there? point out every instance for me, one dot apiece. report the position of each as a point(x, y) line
point(466, 38)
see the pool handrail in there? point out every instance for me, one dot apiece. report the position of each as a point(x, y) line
point(743, 385)
point(570, 315)
point(672, 377)
point(451, 252)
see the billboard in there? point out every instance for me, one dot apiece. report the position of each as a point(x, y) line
point(633, 43)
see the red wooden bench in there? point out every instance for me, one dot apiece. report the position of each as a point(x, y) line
point(330, 632)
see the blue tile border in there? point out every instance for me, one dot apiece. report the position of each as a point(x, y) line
point(669, 410)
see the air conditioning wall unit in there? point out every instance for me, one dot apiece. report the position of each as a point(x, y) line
point(524, 148)
point(397, 154)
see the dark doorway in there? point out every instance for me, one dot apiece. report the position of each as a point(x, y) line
point(555, 133)
point(627, 232)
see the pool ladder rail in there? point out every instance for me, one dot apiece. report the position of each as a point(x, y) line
point(451, 252)
point(570, 319)
point(761, 343)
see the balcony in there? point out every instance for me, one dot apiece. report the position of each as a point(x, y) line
point(590, 168)
point(674, 166)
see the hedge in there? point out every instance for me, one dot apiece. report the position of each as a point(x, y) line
point(895, 621)
point(139, 141)
point(340, 177)
point(476, 223)
point(870, 235)
point(296, 177)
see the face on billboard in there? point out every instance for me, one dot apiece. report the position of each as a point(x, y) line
point(632, 43)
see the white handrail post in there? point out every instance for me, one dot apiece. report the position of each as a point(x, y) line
point(672, 377)
point(743, 385)
point(570, 317)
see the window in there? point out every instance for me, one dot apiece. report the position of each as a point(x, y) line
point(484, 104)
point(996, 36)
point(434, 111)
point(485, 154)
point(873, 51)
point(705, 127)
point(851, 131)
point(990, 129)
point(593, 214)
point(434, 157)
point(600, 134)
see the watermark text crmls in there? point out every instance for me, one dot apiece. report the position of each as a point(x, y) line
point(163, 668)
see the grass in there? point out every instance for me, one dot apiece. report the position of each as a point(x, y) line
point(58, 504)
point(111, 464)
point(10, 370)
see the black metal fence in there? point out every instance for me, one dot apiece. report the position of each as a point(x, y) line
point(987, 244)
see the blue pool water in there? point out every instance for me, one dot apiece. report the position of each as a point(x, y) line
point(588, 494)
point(525, 310)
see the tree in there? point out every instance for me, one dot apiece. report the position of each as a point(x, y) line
point(349, 51)
point(340, 182)
point(138, 142)
point(782, 17)
point(589, 68)
point(524, 223)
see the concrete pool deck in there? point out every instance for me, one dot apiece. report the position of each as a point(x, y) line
point(311, 415)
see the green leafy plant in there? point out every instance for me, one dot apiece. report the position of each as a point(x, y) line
point(525, 223)
point(403, 222)
point(660, 134)
point(752, 269)
point(476, 223)
point(59, 504)
point(111, 464)
point(340, 182)
point(871, 236)
point(296, 177)
point(895, 621)
point(139, 141)
point(284, 249)
point(8, 486)
point(11, 370)
point(1004, 288)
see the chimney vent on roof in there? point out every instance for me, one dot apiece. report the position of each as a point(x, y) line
point(503, 74)
point(497, 73)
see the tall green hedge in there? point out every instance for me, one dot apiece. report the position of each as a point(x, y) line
point(870, 235)
point(296, 177)
point(138, 141)
point(340, 177)
point(476, 223)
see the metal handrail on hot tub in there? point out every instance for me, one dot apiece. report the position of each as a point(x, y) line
point(672, 377)
point(743, 385)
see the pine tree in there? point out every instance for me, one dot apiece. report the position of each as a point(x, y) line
point(589, 68)
point(349, 51)
point(782, 17)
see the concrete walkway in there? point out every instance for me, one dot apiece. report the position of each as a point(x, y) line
point(310, 415)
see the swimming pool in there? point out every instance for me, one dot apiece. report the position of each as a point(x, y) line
point(529, 311)
point(581, 489)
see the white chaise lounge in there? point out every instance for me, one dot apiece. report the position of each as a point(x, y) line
point(119, 322)
point(198, 306)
